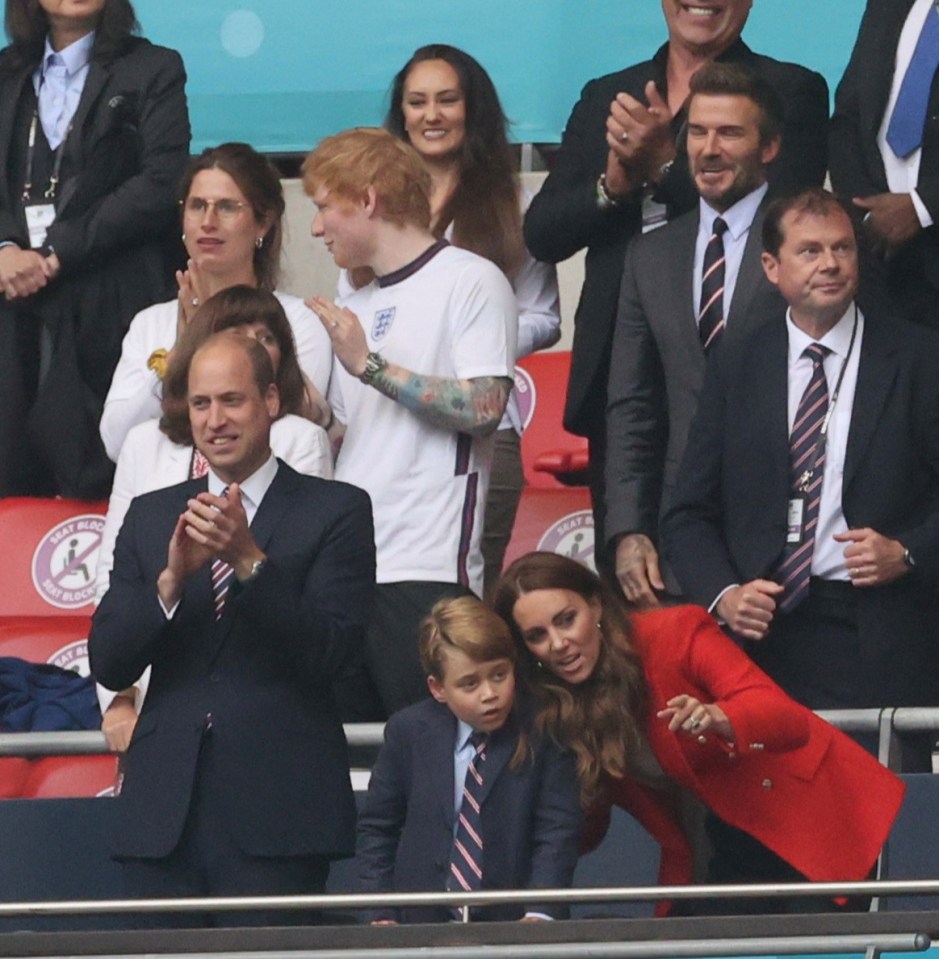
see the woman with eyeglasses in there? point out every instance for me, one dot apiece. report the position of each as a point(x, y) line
point(94, 131)
point(232, 209)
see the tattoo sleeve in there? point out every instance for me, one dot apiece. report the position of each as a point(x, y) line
point(466, 406)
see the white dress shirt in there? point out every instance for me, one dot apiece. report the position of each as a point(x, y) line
point(739, 219)
point(828, 556)
point(903, 172)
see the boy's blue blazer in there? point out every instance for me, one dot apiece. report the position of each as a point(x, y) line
point(531, 815)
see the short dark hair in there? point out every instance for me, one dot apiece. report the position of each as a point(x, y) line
point(226, 310)
point(258, 181)
point(27, 25)
point(814, 202)
point(730, 80)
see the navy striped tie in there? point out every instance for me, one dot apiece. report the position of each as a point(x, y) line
point(711, 314)
point(466, 860)
point(806, 472)
point(222, 575)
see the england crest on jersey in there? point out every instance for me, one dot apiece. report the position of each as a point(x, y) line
point(382, 322)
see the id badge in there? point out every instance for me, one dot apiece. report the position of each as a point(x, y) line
point(654, 214)
point(795, 515)
point(39, 217)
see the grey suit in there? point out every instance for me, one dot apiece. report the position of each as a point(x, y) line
point(658, 364)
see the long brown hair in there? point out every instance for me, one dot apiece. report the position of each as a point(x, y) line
point(235, 306)
point(484, 208)
point(599, 720)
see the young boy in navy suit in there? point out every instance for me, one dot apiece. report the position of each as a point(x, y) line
point(463, 795)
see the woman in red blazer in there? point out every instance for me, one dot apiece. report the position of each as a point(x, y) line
point(657, 704)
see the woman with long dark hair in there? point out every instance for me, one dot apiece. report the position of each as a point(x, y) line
point(662, 704)
point(232, 209)
point(95, 129)
point(444, 103)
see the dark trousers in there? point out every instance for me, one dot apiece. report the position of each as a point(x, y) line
point(505, 490)
point(393, 661)
point(208, 862)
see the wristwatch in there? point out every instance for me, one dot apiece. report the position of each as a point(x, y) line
point(256, 568)
point(606, 199)
point(908, 559)
point(374, 364)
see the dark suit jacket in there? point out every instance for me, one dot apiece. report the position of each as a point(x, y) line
point(657, 365)
point(563, 218)
point(116, 216)
point(262, 673)
point(530, 816)
point(857, 167)
point(727, 521)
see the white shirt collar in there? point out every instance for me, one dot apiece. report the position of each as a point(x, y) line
point(254, 488)
point(738, 218)
point(76, 56)
point(837, 339)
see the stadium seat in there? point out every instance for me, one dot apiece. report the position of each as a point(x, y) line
point(13, 772)
point(62, 777)
point(557, 520)
point(551, 457)
point(48, 565)
point(61, 641)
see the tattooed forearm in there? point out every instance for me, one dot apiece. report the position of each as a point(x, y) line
point(467, 406)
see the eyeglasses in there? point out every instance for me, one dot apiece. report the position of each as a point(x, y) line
point(225, 209)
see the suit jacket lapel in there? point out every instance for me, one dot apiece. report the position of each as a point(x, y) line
point(877, 371)
point(748, 278)
point(437, 744)
point(498, 753)
point(768, 387)
point(680, 295)
point(878, 73)
point(98, 74)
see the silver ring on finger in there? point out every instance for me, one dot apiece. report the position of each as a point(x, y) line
point(695, 725)
point(623, 137)
point(195, 301)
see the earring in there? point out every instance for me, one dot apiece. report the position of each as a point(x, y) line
point(183, 238)
point(600, 625)
point(259, 242)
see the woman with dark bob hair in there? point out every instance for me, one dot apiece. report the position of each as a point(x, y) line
point(232, 207)
point(159, 453)
point(658, 704)
point(95, 131)
point(445, 105)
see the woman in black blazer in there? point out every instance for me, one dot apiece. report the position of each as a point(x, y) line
point(87, 217)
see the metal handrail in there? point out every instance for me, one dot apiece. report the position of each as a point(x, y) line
point(467, 900)
point(904, 719)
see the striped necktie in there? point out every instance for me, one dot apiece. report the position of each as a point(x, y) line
point(222, 575)
point(711, 314)
point(806, 472)
point(466, 860)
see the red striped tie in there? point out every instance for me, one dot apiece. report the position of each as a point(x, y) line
point(806, 472)
point(222, 575)
point(466, 860)
point(711, 314)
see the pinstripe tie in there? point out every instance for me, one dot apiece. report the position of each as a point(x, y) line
point(711, 314)
point(466, 860)
point(806, 472)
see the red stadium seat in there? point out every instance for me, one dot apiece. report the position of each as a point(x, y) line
point(557, 520)
point(551, 457)
point(66, 777)
point(50, 550)
point(60, 640)
point(13, 772)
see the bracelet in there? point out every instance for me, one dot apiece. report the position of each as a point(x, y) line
point(605, 199)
